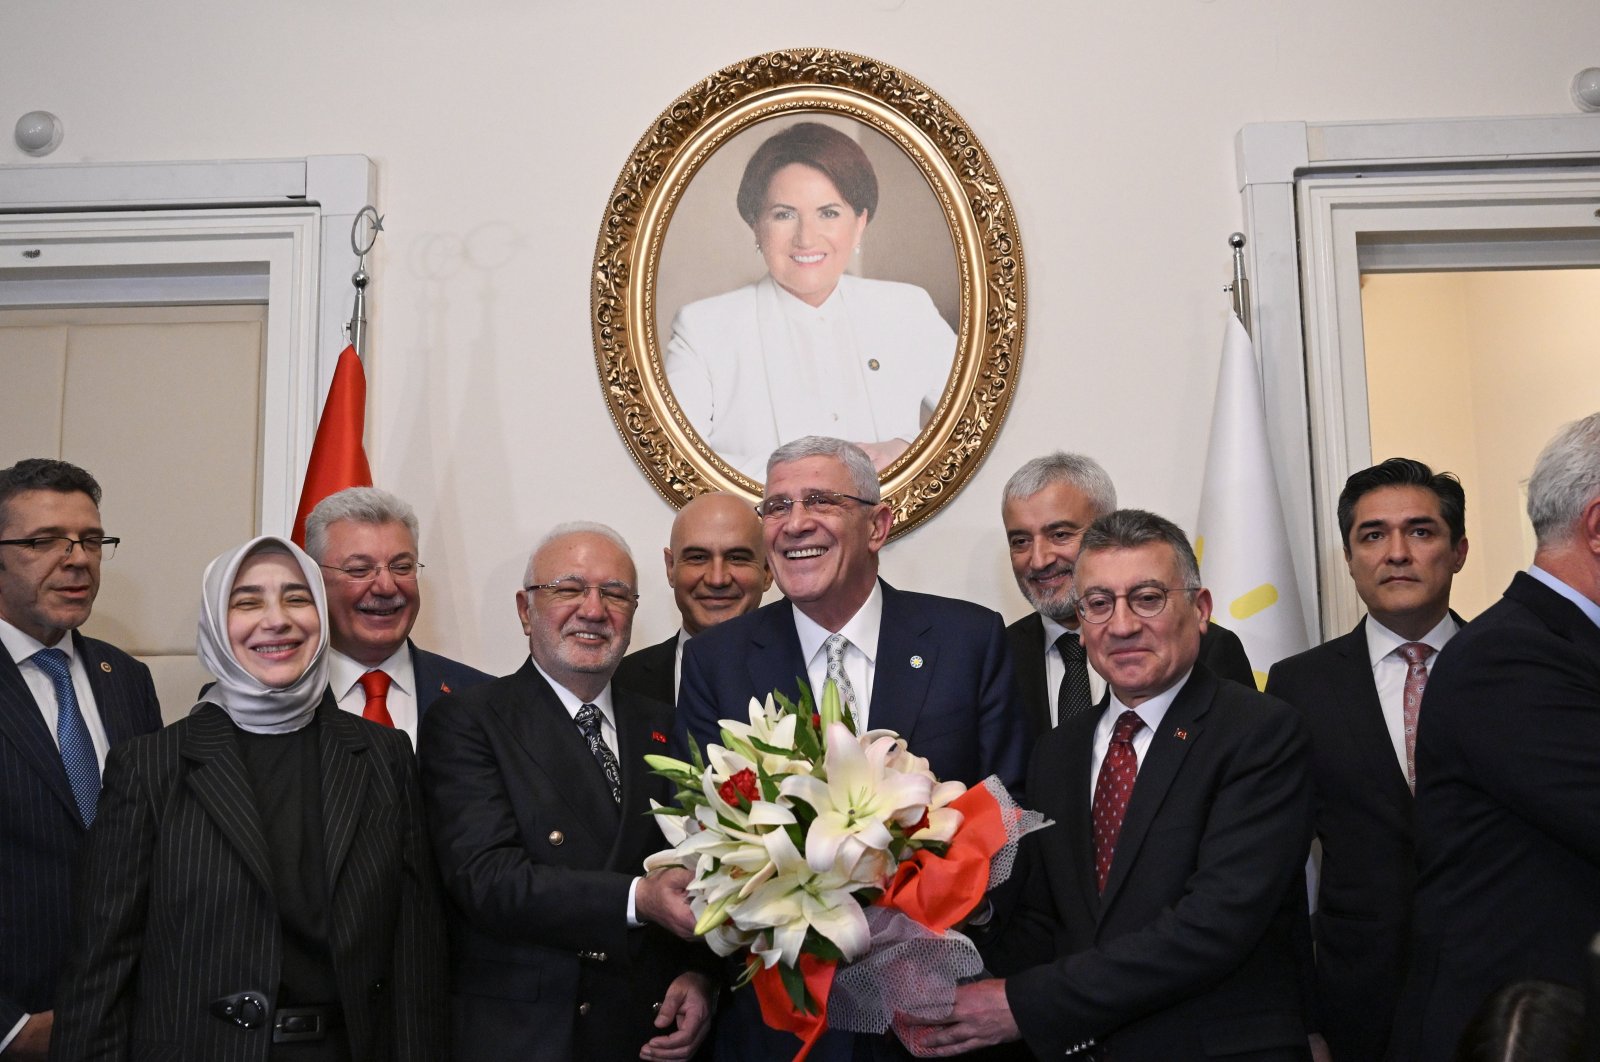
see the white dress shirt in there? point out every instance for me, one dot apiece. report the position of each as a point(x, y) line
point(677, 663)
point(860, 656)
point(22, 646)
point(344, 679)
point(1151, 711)
point(1055, 669)
point(1389, 673)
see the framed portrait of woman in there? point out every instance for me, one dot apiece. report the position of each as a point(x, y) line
point(809, 243)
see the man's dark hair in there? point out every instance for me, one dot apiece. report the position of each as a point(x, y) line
point(1132, 528)
point(1404, 472)
point(43, 473)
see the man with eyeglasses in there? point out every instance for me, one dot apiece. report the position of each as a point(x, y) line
point(538, 801)
point(65, 700)
point(1158, 913)
point(932, 668)
point(365, 540)
point(1046, 506)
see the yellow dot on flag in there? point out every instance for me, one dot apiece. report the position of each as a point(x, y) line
point(1261, 680)
point(1250, 602)
point(1199, 549)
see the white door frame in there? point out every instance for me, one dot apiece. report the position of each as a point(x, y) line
point(288, 220)
point(1470, 164)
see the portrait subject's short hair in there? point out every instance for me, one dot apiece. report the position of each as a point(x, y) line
point(1404, 472)
point(1132, 528)
point(863, 475)
point(1566, 477)
point(1081, 472)
point(826, 150)
point(364, 505)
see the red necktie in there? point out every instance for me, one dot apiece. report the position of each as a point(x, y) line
point(1111, 792)
point(376, 684)
point(1416, 654)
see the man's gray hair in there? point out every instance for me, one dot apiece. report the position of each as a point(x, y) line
point(853, 457)
point(1565, 479)
point(364, 505)
point(1132, 528)
point(1078, 471)
point(574, 527)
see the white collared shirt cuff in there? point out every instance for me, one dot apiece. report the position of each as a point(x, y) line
point(12, 1035)
point(633, 920)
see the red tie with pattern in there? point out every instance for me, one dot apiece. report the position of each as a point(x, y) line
point(376, 684)
point(1111, 792)
point(1416, 654)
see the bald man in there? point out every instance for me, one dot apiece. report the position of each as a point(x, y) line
point(717, 568)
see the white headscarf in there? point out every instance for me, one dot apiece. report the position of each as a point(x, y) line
point(250, 703)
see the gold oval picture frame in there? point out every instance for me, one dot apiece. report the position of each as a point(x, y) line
point(677, 282)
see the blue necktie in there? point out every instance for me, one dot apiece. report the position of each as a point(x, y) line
point(72, 734)
point(589, 726)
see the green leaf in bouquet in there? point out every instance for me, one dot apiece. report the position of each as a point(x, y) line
point(820, 946)
point(794, 983)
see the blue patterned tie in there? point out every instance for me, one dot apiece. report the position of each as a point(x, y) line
point(589, 726)
point(72, 734)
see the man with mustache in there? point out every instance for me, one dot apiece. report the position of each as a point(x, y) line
point(65, 701)
point(1404, 530)
point(1047, 505)
point(538, 800)
point(717, 568)
point(934, 669)
point(365, 541)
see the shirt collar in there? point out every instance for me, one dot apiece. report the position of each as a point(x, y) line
point(1381, 641)
point(344, 671)
point(1589, 608)
point(861, 629)
point(1053, 631)
point(1153, 710)
point(572, 702)
point(22, 645)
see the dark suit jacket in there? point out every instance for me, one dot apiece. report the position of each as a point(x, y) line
point(438, 675)
point(1220, 650)
point(1507, 813)
point(1189, 953)
point(175, 907)
point(649, 671)
point(942, 681)
point(40, 830)
point(1363, 819)
point(537, 860)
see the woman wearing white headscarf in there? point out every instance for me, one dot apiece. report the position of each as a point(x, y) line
point(257, 884)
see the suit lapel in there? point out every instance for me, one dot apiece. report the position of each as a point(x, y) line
point(635, 738)
point(1179, 731)
point(222, 787)
point(1028, 662)
point(908, 656)
point(1362, 714)
point(108, 687)
point(546, 734)
point(775, 662)
point(344, 783)
point(22, 724)
point(1077, 822)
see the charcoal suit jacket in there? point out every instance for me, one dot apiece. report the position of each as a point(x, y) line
point(1189, 953)
point(40, 828)
point(650, 671)
point(175, 902)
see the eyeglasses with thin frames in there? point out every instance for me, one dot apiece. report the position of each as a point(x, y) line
point(362, 573)
point(617, 596)
point(1147, 602)
point(101, 546)
point(817, 503)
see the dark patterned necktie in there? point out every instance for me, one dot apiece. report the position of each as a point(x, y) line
point(1111, 792)
point(589, 726)
point(72, 734)
point(1073, 697)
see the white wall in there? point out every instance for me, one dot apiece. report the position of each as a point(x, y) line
point(500, 127)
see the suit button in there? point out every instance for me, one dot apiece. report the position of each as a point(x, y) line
point(556, 837)
point(583, 1009)
point(378, 986)
point(599, 956)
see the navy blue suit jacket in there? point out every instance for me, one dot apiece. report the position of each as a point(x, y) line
point(40, 831)
point(438, 675)
point(942, 680)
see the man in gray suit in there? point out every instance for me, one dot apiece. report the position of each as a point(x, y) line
point(65, 701)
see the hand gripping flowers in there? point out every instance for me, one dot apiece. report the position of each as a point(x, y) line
point(812, 846)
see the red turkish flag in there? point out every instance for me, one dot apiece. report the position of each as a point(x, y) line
point(338, 459)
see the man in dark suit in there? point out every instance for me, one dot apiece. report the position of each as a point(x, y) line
point(1404, 530)
point(1508, 773)
point(1159, 910)
point(1047, 504)
point(365, 541)
point(717, 568)
point(60, 713)
point(931, 668)
point(538, 800)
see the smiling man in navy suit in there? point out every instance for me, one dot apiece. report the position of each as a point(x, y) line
point(65, 700)
point(365, 541)
point(932, 668)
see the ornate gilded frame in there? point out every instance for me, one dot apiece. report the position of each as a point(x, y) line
point(982, 228)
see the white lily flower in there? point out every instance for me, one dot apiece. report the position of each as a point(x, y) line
point(861, 795)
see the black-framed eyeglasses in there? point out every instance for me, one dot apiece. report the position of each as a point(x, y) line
point(817, 503)
point(1147, 602)
point(619, 596)
point(362, 573)
point(102, 546)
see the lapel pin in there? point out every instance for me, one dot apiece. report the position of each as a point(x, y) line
point(1181, 734)
point(872, 363)
point(916, 662)
point(105, 667)
point(656, 735)
point(444, 687)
